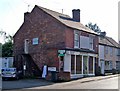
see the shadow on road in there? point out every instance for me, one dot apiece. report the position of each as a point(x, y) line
point(24, 83)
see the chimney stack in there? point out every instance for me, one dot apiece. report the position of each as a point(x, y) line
point(76, 15)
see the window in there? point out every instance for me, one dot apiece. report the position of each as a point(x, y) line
point(84, 42)
point(78, 64)
point(72, 64)
point(61, 63)
point(35, 41)
point(76, 40)
point(91, 65)
point(116, 51)
point(111, 65)
point(111, 51)
point(118, 65)
point(108, 65)
point(91, 43)
point(106, 50)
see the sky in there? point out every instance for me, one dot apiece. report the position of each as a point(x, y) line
point(102, 12)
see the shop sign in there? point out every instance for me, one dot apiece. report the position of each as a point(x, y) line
point(61, 52)
point(51, 68)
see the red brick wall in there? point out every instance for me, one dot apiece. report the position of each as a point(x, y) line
point(69, 38)
point(51, 38)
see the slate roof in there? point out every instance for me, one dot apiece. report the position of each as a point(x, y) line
point(108, 41)
point(67, 20)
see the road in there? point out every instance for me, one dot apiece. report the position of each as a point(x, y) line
point(84, 83)
point(110, 83)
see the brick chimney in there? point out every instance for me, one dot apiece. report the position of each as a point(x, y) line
point(76, 15)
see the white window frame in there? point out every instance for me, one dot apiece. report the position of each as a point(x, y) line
point(76, 40)
point(91, 43)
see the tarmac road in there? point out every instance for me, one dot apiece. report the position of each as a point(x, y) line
point(100, 82)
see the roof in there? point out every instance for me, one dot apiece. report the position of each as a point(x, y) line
point(108, 41)
point(67, 20)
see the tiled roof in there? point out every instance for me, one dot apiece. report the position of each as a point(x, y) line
point(108, 41)
point(67, 20)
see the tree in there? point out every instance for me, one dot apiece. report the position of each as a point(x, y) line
point(7, 46)
point(96, 28)
point(7, 49)
point(93, 27)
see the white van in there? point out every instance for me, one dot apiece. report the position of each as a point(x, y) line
point(9, 73)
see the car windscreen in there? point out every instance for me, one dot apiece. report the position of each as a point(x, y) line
point(12, 70)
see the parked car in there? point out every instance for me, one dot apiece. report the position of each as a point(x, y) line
point(8, 73)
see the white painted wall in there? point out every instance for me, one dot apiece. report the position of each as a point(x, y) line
point(101, 52)
point(101, 58)
point(7, 62)
point(67, 63)
point(0, 64)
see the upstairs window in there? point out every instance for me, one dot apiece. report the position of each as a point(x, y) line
point(76, 40)
point(106, 50)
point(116, 52)
point(84, 42)
point(111, 50)
point(35, 41)
point(91, 43)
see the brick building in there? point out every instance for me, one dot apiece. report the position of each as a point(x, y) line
point(62, 43)
point(109, 56)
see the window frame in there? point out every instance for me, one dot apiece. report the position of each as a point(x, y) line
point(76, 40)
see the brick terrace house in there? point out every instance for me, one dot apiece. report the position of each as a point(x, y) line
point(109, 56)
point(62, 43)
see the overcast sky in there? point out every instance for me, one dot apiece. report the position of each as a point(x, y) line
point(102, 12)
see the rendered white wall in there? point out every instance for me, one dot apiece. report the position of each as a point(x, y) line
point(101, 52)
point(67, 63)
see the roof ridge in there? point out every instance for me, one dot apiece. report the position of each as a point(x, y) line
point(110, 41)
point(67, 20)
point(52, 10)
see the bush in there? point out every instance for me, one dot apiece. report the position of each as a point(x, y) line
point(98, 71)
point(113, 71)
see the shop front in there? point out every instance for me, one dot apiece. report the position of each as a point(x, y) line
point(78, 64)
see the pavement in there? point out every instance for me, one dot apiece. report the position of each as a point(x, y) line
point(32, 83)
point(95, 78)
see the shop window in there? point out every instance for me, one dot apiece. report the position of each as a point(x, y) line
point(90, 65)
point(85, 65)
point(78, 64)
point(61, 63)
point(72, 64)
